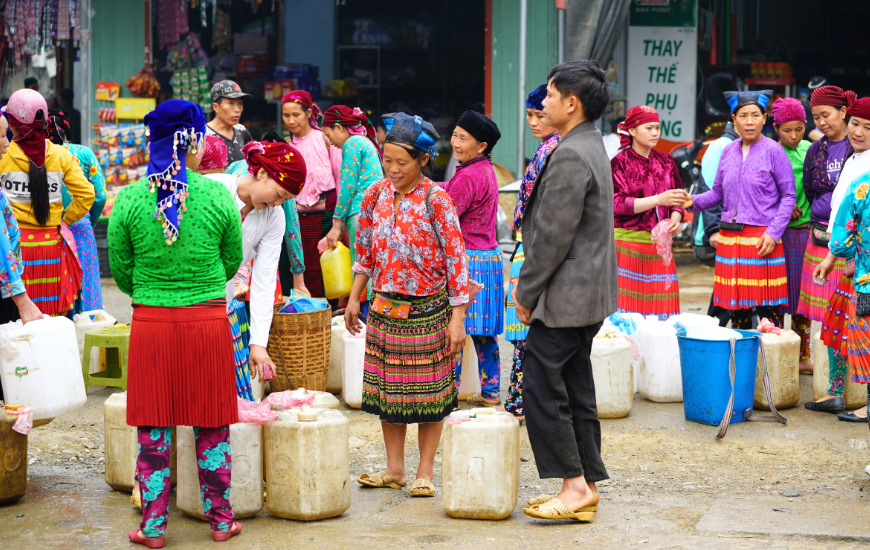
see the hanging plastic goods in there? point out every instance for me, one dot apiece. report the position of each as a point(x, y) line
point(663, 240)
point(143, 84)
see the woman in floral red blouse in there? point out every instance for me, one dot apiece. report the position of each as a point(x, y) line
point(410, 246)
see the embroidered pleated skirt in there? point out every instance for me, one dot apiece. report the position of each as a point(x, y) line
point(409, 375)
point(238, 317)
point(514, 330)
point(181, 367)
point(646, 285)
point(485, 315)
point(52, 275)
point(859, 344)
point(835, 326)
point(743, 280)
point(814, 298)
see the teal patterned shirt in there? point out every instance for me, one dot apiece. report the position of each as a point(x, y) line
point(89, 164)
point(11, 265)
point(360, 168)
point(292, 235)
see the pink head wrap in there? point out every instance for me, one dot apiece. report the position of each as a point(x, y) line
point(215, 155)
point(303, 98)
point(788, 109)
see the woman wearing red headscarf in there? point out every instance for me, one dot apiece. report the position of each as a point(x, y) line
point(822, 167)
point(350, 130)
point(276, 173)
point(647, 190)
point(317, 200)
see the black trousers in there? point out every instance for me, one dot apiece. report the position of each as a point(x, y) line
point(559, 402)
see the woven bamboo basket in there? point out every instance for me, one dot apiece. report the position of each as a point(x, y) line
point(299, 346)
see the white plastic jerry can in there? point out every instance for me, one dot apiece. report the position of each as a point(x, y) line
point(40, 366)
point(660, 378)
point(353, 368)
point(122, 445)
point(612, 371)
point(854, 394)
point(783, 353)
point(308, 457)
point(480, 473)
point(91, 321)
point(246, 488)
point(470, 383)
point(336, 356)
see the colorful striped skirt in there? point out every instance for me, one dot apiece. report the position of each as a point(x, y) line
point(52, 274)
point(835, 327)
point(180, 368)
point(86, 245)
point(642, 277)
point(240, 328)
point(859, 344)
point(514, 330)
point(743, 280)
point(794, 243)
point(409, 376)
point(814, 298)
point(485, 315)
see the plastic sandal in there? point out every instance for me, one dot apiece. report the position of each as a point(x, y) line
point(422, 488)
point(136, 537)
point(220, 536)
point(555, 509)
point(541, 499)
point(378, 480)
point(477, 399)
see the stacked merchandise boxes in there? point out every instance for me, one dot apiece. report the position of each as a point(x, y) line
point(192, 85)
point(123, 156)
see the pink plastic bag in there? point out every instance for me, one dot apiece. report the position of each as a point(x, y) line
point(663, 241)
point(765, 325)
point(255, 413)
point(636, 352)
point(289, 399)
point(25, 419)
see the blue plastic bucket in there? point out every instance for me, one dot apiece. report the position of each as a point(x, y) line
point(706, 383)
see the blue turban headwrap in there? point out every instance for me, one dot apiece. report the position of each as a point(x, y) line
point(412, 130)
point(536, 98)
point(175, 124)
point(739, 99)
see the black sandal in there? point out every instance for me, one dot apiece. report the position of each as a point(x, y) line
point(833, 405)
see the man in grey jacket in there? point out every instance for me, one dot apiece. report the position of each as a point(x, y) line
point(566, 288)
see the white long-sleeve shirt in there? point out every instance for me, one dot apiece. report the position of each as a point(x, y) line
point(262, 232)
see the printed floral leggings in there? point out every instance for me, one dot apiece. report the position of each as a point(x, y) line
point(838, 369)
point(215, 464)
point(488, 365)
point(514, 402)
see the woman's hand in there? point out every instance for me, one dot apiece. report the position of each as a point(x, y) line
point(351, 317)
point(299, 284)
point(456, 331)
point(765, 245)
point(796, 213)
point(259, 360)
point(332, 237)
point(671, 198)
point(825, 267)
point(674, 226)
point(27, 310)
point(688, 202)
point(523, 313)
point(714, 239)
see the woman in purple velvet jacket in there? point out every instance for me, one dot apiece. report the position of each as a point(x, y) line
point(755, 186)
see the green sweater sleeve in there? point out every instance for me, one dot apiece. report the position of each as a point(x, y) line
point(121, 258)
point(231, 244)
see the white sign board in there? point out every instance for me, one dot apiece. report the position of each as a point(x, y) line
point(662, 73)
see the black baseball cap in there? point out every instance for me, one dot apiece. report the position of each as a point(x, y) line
point(229, 90)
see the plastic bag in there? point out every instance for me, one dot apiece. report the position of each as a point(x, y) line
point(299, 303)
point(255, 413)
point(25, 419)
point(765, 325)
point(290, 399)
point(626, 326)
point(663, 241)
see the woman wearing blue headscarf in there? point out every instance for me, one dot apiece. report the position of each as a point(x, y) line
point(410, 246)
point(175, 239)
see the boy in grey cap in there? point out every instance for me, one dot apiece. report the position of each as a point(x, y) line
point(227, 102)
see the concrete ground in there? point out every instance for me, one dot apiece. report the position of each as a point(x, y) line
point(673, 485)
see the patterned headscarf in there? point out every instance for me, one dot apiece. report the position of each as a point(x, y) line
point(175, 127)
point(303, 98)
point(58, 126)
point(354, 120)
point(536, 98)
point(860, 108)
point(282, 162)
point(634, 117)
point(736, 100)
point(833, 96)
point(215, 155)
point(413, 131)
